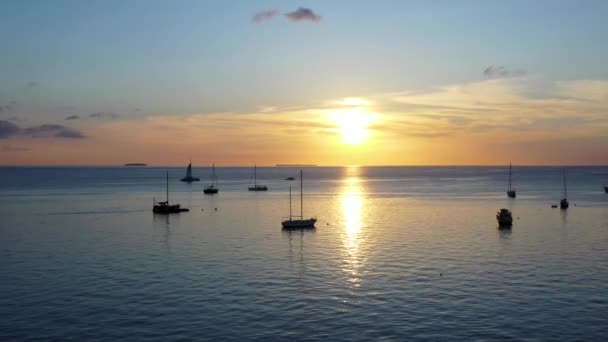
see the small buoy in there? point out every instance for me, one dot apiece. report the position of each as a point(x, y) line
point(215, 209)
point(202, 209)
point(441, 274)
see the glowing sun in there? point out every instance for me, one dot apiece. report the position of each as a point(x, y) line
point(353, 125)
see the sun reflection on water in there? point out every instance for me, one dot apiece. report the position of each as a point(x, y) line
point(352, 201)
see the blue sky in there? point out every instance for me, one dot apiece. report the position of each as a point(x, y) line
point(147, 58)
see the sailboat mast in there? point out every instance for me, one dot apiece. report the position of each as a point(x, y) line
point(301, 197)
point(565, 190)
point(510, 167)
point(289, 203)
point(255, 175)
point(167, 187)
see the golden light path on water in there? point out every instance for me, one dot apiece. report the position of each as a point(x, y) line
point(352, 201)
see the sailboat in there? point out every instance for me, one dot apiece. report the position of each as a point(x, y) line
point(563, 204)
point(189, 177)
point(299, 223)
point(256, 186)
point(510, 191)
point(165, 207)
point(212, 189)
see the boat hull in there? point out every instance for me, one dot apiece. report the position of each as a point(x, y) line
point(563, 204)
point(511, 194)
point(168, 210)
point(299, 224)
point(190, 179)
point(258, 188)
point(210, 191)
point(606, 189)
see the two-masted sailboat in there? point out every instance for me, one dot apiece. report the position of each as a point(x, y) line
point(300, 223)
point(212, 189)
point(511, 191)
point(256, 186)
point(564, 204)
point(165, 207)
point(189, 177)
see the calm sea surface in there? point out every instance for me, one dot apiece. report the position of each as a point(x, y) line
point(399, 253)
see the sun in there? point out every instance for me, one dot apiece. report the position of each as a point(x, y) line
point(353, 125)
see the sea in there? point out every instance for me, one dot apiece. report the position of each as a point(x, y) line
point(398, 254)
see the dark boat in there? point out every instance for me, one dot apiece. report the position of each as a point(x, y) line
point(504, 218)
point(300, 223)
point(290, 178)
point(212, 189)
point(606, 189)
point(256, 186)
point(511, 191)
point(165, 207)
point(189, 177)
point(564, 204)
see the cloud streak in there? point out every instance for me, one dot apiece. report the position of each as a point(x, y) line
point(299, 15)
point(500, 71)
point(303, 14)
point(263, 16)
point(9, 129)
point(104, 115)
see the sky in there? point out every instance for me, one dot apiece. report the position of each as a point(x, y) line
point(310, 82)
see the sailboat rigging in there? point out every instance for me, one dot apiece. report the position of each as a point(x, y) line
point(189, 177)
point(564, 204)
point(165, 207)
point(300, 223)
point(212, 189)
point(256, 186)
point(511, 191)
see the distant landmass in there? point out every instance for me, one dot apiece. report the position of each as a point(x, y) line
point(296, 165)
point(136, 164)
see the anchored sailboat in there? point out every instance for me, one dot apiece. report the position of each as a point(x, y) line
point(511, 191)
point(256, 186)
point(564, 204)
point(189, 177)
point(212, 189)
point(299, 223)
point(165, 207)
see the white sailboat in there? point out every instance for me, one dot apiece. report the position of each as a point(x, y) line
point(189, 177)
point(256, 186)
point(300, 223)
point(212, 189)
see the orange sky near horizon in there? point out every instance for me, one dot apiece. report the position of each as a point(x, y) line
point(489, 122)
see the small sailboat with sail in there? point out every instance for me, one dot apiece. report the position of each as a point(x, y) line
point(511, 191)
point(300, 223)
point(212, 189)
point(165, 207)
point(564, 204)
point(256, 186)
point(189, 177)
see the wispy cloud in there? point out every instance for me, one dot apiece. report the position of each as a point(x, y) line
point(9, 129)
point(7, 107)
point(264, 16)
point(10, 148)
point(104, 115)
point(499, 71)
point(72, 117)
point(303, 14)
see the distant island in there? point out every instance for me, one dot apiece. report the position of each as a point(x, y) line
point(299, 165)
point(136, 164)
